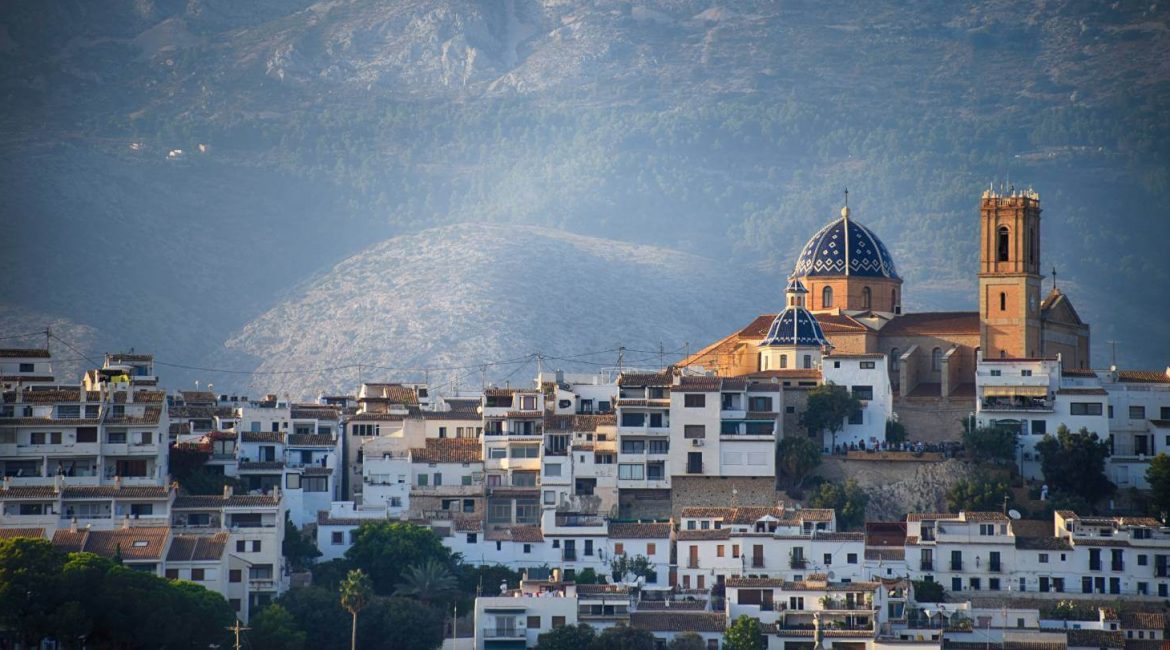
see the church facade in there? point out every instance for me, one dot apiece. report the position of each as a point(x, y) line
point(846, 282)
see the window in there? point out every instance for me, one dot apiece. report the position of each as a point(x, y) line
point(241, 546)
point(633, 446)
point(472, 538)
point(694, 431)
point(1085, 408)
point(69, 412)
point(827, 297)
point(558, 621)
point(1043, 558)
point(552, 469)
point(631, 472)
point(524, 451)
point(172, 574)
point(1165, 413)
point(533, 622)
point(866, 298)
point(1039, 427)
point(497, 452)
point(659, 446)
point(783, 361)
point(851, 558)
point(1002, 301)
point(863, 393)
point(1002, 244)
point(633, 419)
point(588, 547)
point(528, 403)
point(807, 361)
point(868, 365)
point(936, 359)
point(735, 550)
point(993, 584)
point(235, 575)
point(651, 548)
point(293, 482)
point(337, 538)
point(857, 417)
point(996, 373)
point(1025, 373)
point(694, 400)
point(358, 429)
point(956, 584)
point(763, 404)
point(197, 575)
point(27, 367)
point(442, 432)
point(1137, 412)
point(719, 550)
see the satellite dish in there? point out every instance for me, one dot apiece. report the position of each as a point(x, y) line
point(1014, 514)
point(831, 575)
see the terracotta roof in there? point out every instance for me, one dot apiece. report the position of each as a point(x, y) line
point(448, 450)
point(655, 379)
point(310, 440)
point(262, 436)
point(216, 501)
point(526, 534)
point(1139, 521)
point(197, 395)
point(197, 548)
point(742, 582)
point(700, 535)
point(468, 524)
point(28, 492)
point(314, 412)
point(678, 621)
point(603, 589)
point(110, 491)
point(12, 533)
point(315, 470)
point(26, 378)
point(578, 422)
point(1143, 377)
point(698, 384)
point(1095, 639)
point(50, 396)
point(393, 393)
point(1144, 644)
point(26, 353)
point(639, 530)
point(839, 323)
point(926, 323)
point(839, 536)
point(130, 356)
point(984, 516)
point(930, 516)
point(1143, 620)
point(1081, 391)
point(132, 543)
point(885, 533)
point(323, 519)
point(1078, 372)
point(787, 373)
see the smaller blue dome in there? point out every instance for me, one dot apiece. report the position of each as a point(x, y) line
point(795, 286)
point(795, 326)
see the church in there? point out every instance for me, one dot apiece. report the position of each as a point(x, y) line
point(845, 297)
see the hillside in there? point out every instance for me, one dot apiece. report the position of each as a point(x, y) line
point(310, 131)
point(460, 296)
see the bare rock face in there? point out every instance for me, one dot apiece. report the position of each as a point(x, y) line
point(458, 296)
point(896, 488)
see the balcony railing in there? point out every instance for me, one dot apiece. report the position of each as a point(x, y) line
point(1016, 405)
point(569, 555)
point(694, 468)
point(757, 562)
point(956, 565)
point(505, 632)
point(926, 565)
point(994, 566)
point(797, 563)
point(693, 563)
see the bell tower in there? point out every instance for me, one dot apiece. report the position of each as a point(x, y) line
point(1009, 274)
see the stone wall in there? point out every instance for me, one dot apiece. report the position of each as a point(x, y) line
point(899, 487)
point(717, 491)
point(934, 419)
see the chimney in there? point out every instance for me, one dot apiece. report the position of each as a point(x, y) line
point(117, 482)
point(57, 480)
point(126, 521)
point(227, 491)
point(7, 482)
point(73, 524)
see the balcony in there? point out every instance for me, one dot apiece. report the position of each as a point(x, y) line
point(694, 468)
point(569, 555)
point(956, 565)
point(693, 563)
point(1018, 404)
point(994, 567)
point(797, 563)
point(926, 565)
point(757, 562)
point(262, 584)
point(505, 633)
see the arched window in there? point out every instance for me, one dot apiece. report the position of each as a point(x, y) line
point(936, 359)
point(894, 360)
point(784, 361)
point(827, 298)
point(1002, 244)
point(866, 298)
point(1031, 246)
point(1002, 301)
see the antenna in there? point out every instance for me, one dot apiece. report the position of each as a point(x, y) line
point(1112, 354)
point(237, 629)
point(1054, 277)
point(621, 357)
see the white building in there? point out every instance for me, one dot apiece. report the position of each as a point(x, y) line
point(866, 377)
point(518, 616)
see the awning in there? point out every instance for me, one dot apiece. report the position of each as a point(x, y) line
point(1015, 391)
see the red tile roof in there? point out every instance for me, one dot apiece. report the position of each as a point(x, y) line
point(310, 440)
point(204, 502)
point(197, 548)
point(110, 491)
point(702, 535)
point(12, 533)
point(679, 621)
point(132, 543)
point(448, 450)
point(262, 436)
point(639, 530)
point(927, 323)
point(25, 353)
point(578, 422)
point(655, 379)
point(1143, 377)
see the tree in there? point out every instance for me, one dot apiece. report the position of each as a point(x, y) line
point(622, 566)
point(589, 577)
point(623, 637)
point(687, 641)
point(355, 595)
point(566, 637)
point(978, 494)
point(744, 634)
point(796, 458)
point(1074, 463)
point(274, 628)
point(298, 548)
point(428, 582)
point(1158, 476)
point(848, 499)
point(384, 549)
point(318, 612)
point(30, 587)
point(401, 623)
point(895, 432)
point(995, 444)
point(828, 407)
point(928, 591)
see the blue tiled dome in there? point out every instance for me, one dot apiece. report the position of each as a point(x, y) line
point(795, 326)
point(845, 247)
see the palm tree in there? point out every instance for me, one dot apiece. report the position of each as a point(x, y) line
point(427, 582)
point(355, 595)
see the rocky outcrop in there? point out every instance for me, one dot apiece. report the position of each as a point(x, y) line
point(898, 487)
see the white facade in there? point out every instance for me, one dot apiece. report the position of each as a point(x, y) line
point(866, 376)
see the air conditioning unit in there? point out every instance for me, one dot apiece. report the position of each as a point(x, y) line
point(697, 443)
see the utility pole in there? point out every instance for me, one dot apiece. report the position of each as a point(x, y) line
point(661, 356)
point(621, 357)
point(237, 629)
point(1112, 354)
